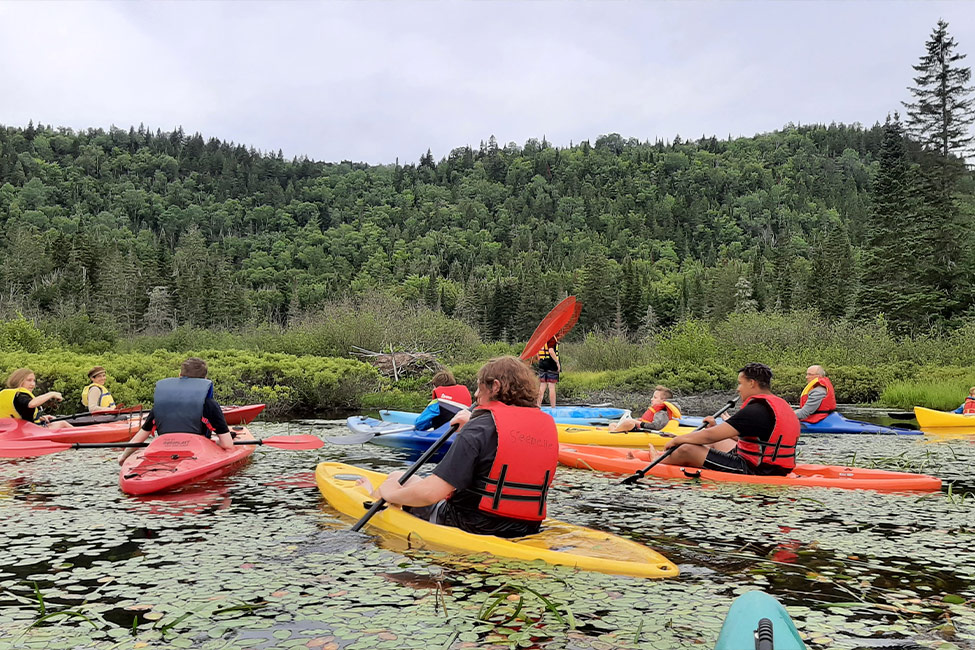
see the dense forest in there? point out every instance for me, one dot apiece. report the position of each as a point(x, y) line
point(150, 230)
point(145, 231)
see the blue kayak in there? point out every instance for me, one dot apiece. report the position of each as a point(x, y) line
point(758, 621)
point(577, 415)
point(832, 423)
point(398, 435)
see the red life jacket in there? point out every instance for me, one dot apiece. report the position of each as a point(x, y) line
point(672, 411)
point(455, 393)
point(969, 407)
point(780, 450)
point(528, 452)
point(828, 404)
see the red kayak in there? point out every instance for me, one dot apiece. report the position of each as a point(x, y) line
point(174, 460)
point(624, 461)
point(120, 431)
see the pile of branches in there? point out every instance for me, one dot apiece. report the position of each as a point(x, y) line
point(400, 364)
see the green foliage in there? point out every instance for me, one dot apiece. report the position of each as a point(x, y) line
point(21, 335)
point(690, 341)
point(603, 352)
point(940, 395)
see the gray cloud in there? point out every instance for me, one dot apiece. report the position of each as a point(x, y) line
point(377, 81)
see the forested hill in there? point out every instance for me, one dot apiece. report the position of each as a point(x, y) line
point(151, 230)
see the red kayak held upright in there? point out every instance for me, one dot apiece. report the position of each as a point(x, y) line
point(177, 459)
point(624, 461)
point(120, 431)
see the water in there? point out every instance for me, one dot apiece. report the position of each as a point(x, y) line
point(257, 560)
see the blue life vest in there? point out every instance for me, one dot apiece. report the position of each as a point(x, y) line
point(178, 405)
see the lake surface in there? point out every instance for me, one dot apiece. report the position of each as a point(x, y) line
point(258, 560)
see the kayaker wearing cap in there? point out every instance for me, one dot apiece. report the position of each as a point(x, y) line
point(549, 368)
point(494, 480)
point(95, 396)
point(818, 398)
point(766, 427)
point(184, 404)
point(968, 406)
point(449, 398)
point(18, 401)
point(661, 411)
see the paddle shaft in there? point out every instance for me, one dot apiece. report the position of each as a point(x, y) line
point(95, 414)
point(106, 445)
point(427, 455)
point(643, 472)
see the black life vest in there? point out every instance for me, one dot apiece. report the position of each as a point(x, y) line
point(177, 405)
point(528, 453)
point(780, 449)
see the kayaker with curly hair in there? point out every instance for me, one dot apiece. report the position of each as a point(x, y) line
point(494, 480)
point(184, 404)
point(766, 428)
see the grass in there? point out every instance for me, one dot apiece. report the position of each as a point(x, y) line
point(944, 395)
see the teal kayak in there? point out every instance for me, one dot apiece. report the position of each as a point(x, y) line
point(757, 620)
point(580, 416)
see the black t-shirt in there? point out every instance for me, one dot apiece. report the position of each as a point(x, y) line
point(212, 413)
point(756, 419)
point(21, 405)
point(471, 456)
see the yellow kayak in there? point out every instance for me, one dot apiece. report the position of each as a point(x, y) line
point(931, 419)
point(571, 434)
point(557, 543)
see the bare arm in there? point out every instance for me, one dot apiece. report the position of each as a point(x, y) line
point(44, 399)
point(225, 440)
point(707, 436)
point(140, 436)
point(424, 492)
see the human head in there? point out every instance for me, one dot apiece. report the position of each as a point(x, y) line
point(552, 342)
point(814, 372)
point(754, 379)
point(444, 378)
point(18, 378)
point(97, 374)
point(193, 367)
point(507, 380)
point(660, 395)
point(971, 391)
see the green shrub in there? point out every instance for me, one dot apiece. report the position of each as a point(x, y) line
point(603, 352)
point(690, 341)
point(21, 335)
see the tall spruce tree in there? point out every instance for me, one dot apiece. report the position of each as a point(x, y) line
point(940, 119)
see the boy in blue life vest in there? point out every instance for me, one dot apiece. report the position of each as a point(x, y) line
point(968, 407)
point(449, 397)
point(184, 404)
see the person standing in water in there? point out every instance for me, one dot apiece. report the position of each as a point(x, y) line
point(549, 368)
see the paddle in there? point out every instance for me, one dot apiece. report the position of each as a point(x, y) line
point(87, 414)
point(643, 472)
point(29, 448)
point(365, 436)
point(427, 455)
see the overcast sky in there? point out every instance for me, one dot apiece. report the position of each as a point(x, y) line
point(373, 81)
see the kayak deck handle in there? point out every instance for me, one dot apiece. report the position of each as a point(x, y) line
point(696, 474)
point(764, 635)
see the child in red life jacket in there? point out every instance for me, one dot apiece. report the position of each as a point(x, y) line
point(449, 397)
point(655, 418)
point(968, 407)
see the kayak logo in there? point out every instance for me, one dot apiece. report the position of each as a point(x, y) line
point(176, 443)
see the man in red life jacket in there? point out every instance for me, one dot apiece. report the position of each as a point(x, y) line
point(818, 399)
point(495, 478)
point(766, 428)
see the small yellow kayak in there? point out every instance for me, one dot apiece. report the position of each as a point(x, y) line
point(557, 543)
point(570, 434)
point(931, 419)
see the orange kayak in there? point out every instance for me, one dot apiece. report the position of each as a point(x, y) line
point(177, 459)
point(623, 461)
point(118, 431)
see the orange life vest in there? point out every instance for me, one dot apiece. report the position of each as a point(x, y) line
point(528, 453)
point(969, 406)
point(780, 449)
point(456, 393)
point(672, 411)
point(828, 404)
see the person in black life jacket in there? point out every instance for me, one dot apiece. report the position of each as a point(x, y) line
point(968, 406)
point(95, 396)
point(766, 428)
point(818, 398)
point(18, 401)
point(495, 477)
point(549, 368)
point(449, 398)
point(184, 404)
point(662, 410)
